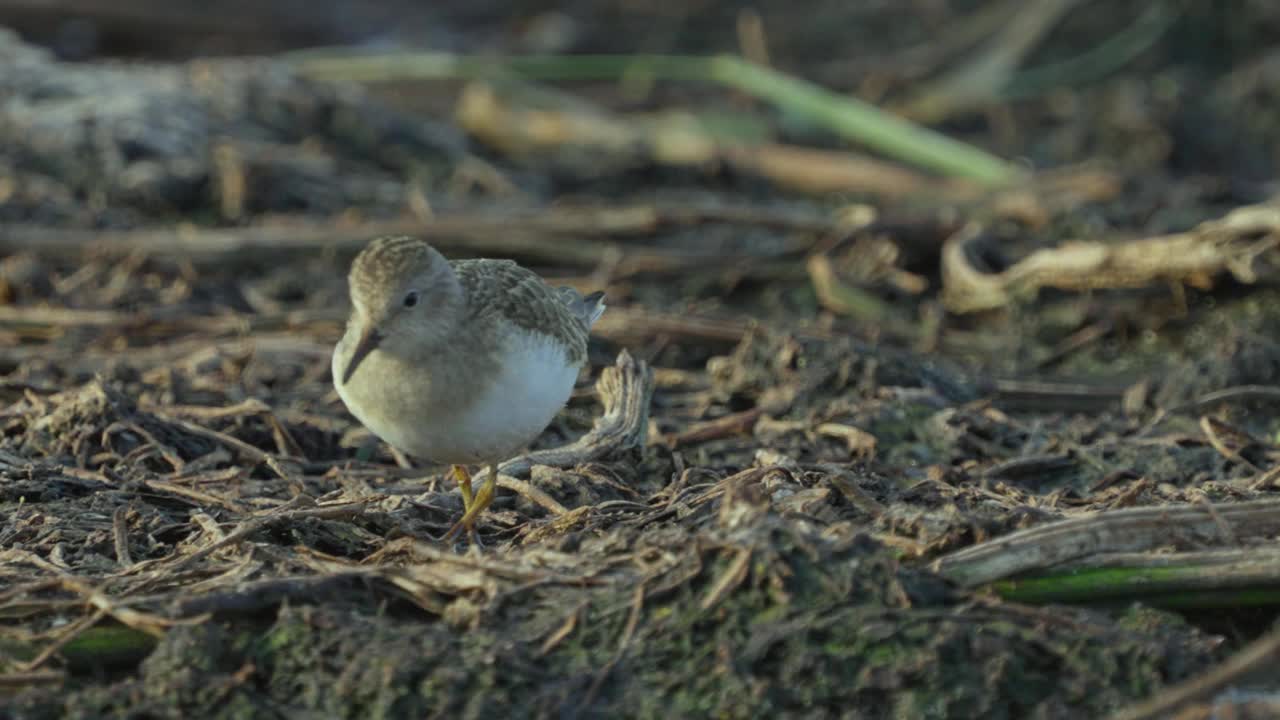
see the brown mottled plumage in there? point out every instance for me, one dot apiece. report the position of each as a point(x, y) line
point(503, 290)
point(462, 361)
point(384, 259)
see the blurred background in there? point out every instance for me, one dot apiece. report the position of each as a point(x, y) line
point(1194, 73)
point(833, 151)
point(880, 128)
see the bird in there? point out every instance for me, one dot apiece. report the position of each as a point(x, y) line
point(458, 362)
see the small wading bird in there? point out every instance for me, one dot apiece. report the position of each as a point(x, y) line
point(458, 361)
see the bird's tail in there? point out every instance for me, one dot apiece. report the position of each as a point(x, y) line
point(587, 309)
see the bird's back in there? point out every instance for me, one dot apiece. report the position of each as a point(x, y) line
point(500, 290)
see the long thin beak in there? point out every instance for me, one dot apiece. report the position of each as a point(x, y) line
point(368, 341)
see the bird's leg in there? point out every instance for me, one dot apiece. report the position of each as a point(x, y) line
point(463, 478)
point(476, 505)
point(488, 492)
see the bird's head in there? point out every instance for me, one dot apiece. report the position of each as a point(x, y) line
point(405, 299)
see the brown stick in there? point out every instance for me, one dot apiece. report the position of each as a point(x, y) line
point(721, 427)
point(253, 525)
point(1128, 530)
point(576, 232)
point(120, 535)
point(532, 494)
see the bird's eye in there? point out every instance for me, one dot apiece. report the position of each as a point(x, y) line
point(411, 298)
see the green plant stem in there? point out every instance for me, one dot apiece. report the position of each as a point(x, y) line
point(1113, 53)
point(850, 118)
point(1172, 586)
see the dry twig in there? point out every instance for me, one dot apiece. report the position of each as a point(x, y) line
point(1231, 244)
point(1125, 530)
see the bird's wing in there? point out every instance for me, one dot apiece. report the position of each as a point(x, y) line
point(504, 289)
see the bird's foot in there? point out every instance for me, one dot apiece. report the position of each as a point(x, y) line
point(473, 504)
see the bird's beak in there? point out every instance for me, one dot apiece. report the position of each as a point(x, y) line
point(369, 340)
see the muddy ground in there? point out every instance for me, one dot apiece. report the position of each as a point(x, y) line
point(828, 391)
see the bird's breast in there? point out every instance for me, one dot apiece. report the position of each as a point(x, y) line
point(517, 402)
point(462, 406)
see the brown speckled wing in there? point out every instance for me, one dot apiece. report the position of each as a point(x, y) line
point(501, 288)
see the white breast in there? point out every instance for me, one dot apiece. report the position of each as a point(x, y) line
point(535, 381)
point(434, 415)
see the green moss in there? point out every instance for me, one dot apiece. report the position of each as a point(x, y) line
point(107, 647)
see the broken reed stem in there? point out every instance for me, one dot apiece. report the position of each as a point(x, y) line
point(1128, 530)
point(852, 119)
point(566, 237)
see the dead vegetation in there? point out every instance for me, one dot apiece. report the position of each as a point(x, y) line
point(858, 440)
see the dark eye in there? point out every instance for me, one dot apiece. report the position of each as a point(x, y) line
point(411, 298)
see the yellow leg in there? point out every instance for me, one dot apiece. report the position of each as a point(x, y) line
point(463, 478)
point(488, 492)
point(475, 505)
